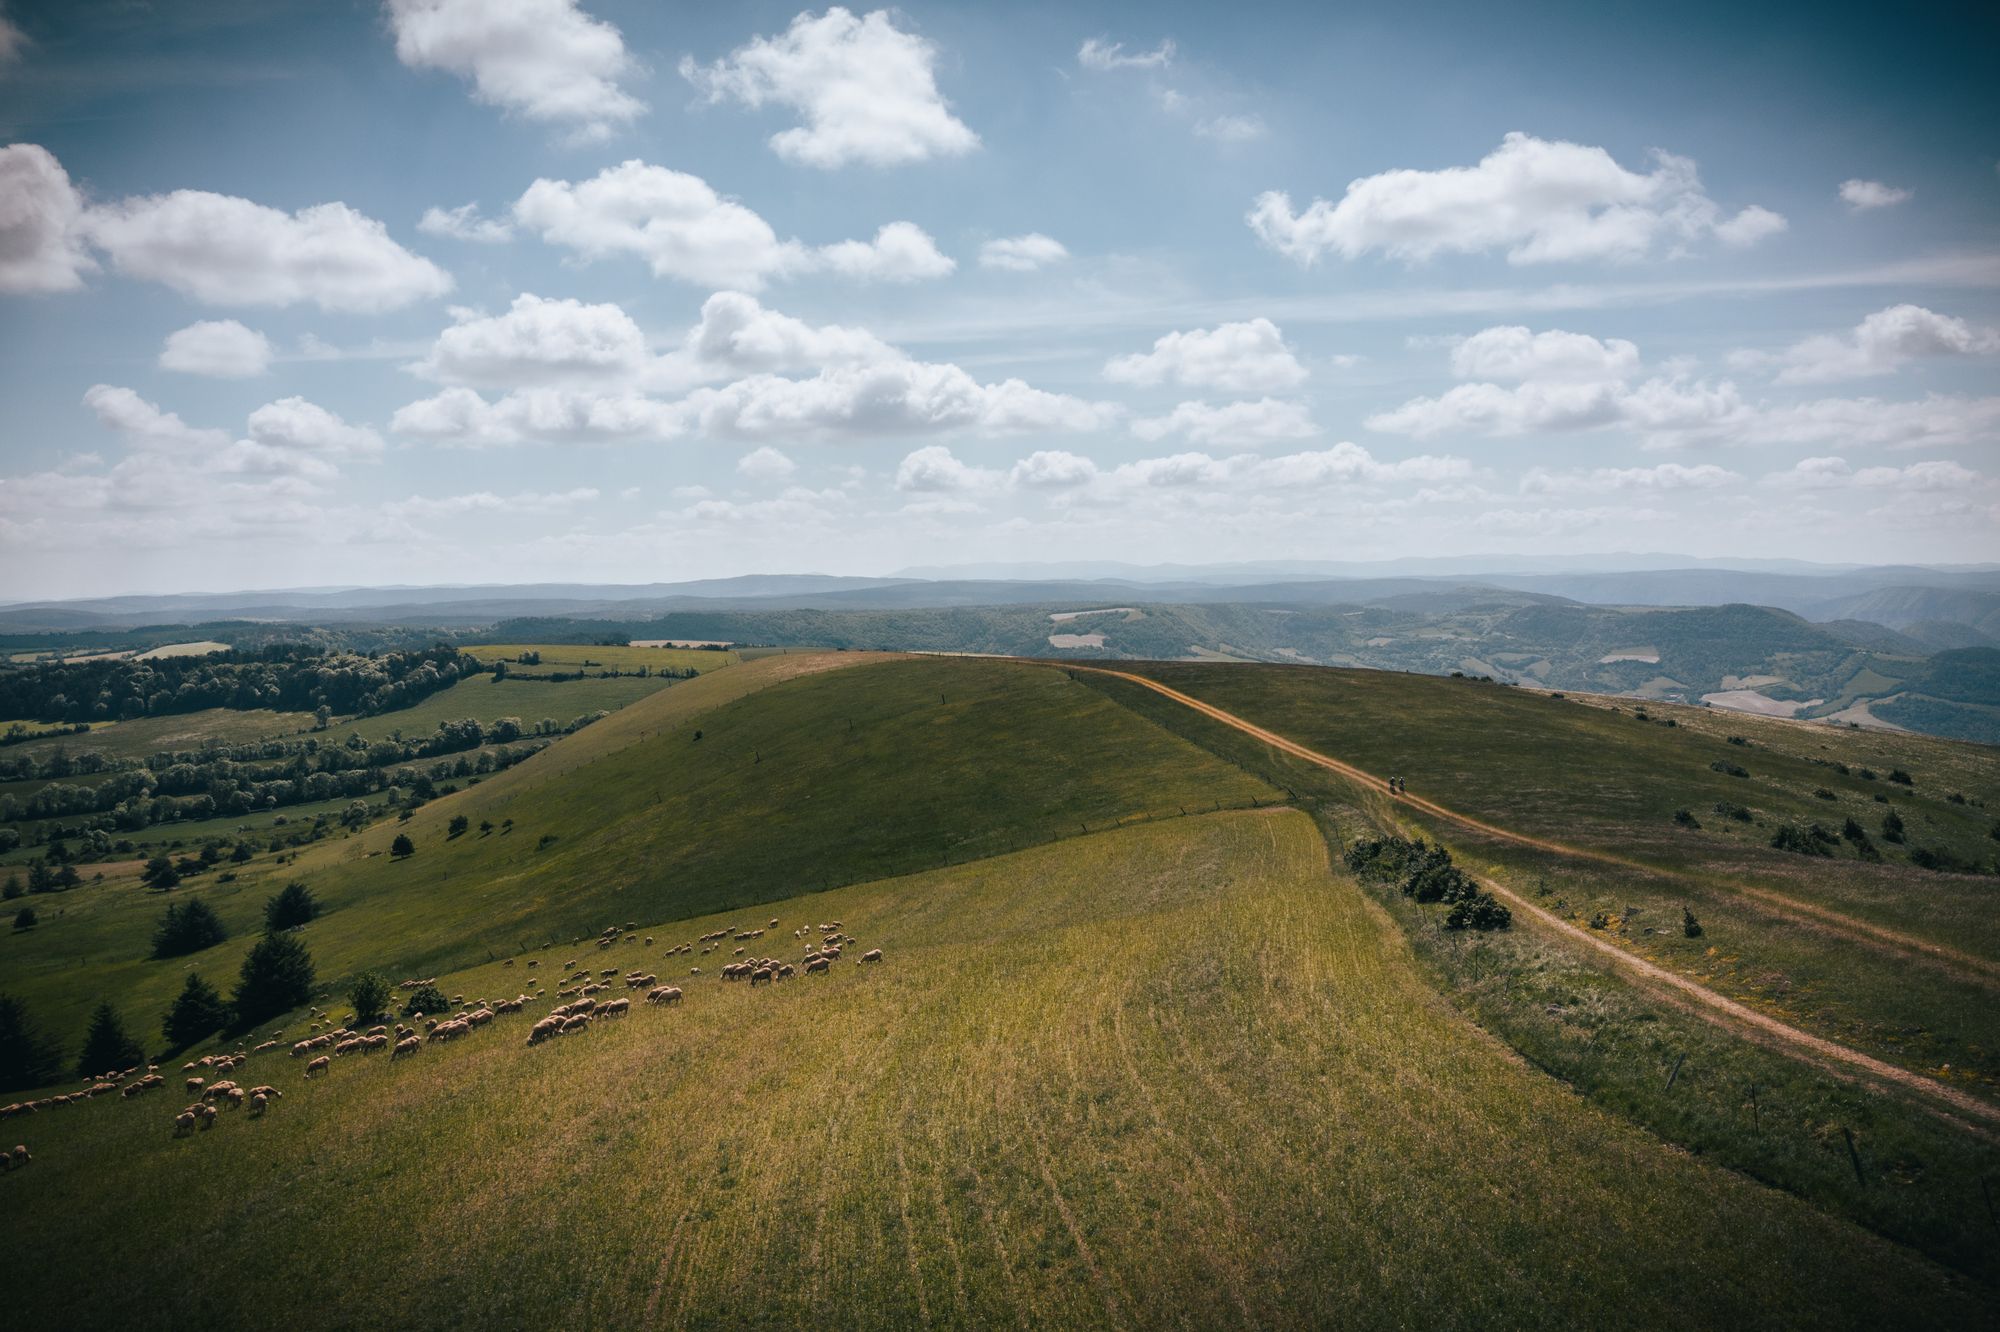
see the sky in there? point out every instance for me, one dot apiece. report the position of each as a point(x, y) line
point(476, 291)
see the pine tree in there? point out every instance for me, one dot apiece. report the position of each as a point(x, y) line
point(187, 927)
point(290, 908)
point(106, 1046)
point(27, 1057)
point(197, 1012)
point(277, 977)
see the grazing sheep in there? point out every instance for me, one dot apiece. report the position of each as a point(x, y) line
point(267, 1045)
point(534, 963)
point(409, 1045)
point(787, 971)
point(817, 964)
point(268, 1093)
point(206, 1114)
point(183, 1123)
point(872, 955)
point(664, 994)
point(694, 971)
point(615, 1008)
point(258, 1104)
point(319, 1065)
point(575, 1023)
point(772, 926)
point(509, 1005)
point(542, 1030)
point(761, 976)
point(196, 1084)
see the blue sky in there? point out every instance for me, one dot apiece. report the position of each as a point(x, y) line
point(433, 290)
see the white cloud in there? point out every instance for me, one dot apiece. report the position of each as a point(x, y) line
point(1053, 469)
point(1880, 344)
point(1541, 201)
point(766, 464)
point(1249, 357)
point(866, 90)
point(545, 60)
point(218, 348)
point(1659, 407)
point(1835, 474)
point(934, 469)
point(223, 250)
point(538, 342)
point(291, 438)
point(1022, 254)
point(1513, 353)
point(464, 223)
point(145, 425)
point(1263, 421)
point(1938, 420)
point(12, 41)
point(737, 334)
point(900, 252)
point(486, 502)
point(41, 245)
point(685, 230)
point(1097, 53)
point(1231, 129)
point(887, 398)
point(1601, 480)
point(298, 426)
point(461, 417)
point(1865, 194)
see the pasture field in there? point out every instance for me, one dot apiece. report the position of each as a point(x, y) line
point(581, 656)
point(486, 700)
point(1172, 1074)
point(142, 736)
point(804, 777)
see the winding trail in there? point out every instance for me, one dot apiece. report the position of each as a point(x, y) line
point(1830, 1055)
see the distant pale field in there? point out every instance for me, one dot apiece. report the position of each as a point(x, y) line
point(200, 649)
point(1176, 1074)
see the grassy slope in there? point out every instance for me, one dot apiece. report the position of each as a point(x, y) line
point(1172, 1074)
point(143, 736)
point(483, 699)
point(779, 796)
point(574, 656)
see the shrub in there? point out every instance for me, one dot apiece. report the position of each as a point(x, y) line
point(1731, 769)
point(196, 1012)
point(187, 927)
point(27, 1057)
point(1943, 861)
point(1689, 925)
point(1809, 841)
point(1855, 833)
point(402, 846)
point(426, 999)
point(370, 996)
point(1729, 811)
point(459, 823)
point(289, 908)
point(160, 873)
point(1901, 778)
point(1868, 774)
point(1994, 832)
point(1478, 912)
point(1686, 819)
point(1823, 794)
point(1956, 797)
point(1428, 876)
point(1739, 740)
point(106, 1046)
point(1892, 827)
point(25, 918)
point(277, 977)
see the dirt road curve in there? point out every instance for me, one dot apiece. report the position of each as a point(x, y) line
point(1830, 1055)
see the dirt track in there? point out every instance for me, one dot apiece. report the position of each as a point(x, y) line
point(1831, 1055)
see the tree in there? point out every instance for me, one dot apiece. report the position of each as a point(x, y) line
point(106, 1046)
point(1892, 827)
point(426, 999)
point(289, 908)
point(243, 852)
point(25, 918)
point(27, 1057)
point(187, 927)
point(160, 873)
point(321, 716)
point(14, 888)
point(370, 996)
point(198, 1011)
point(277, 977)
point(459, 823)
point(402, 846)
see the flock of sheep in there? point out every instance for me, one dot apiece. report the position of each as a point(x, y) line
point(578, 1008)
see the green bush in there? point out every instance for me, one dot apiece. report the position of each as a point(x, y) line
point(1812, 840)
point(1731, 769)
point(426, 999)
point(1686, 819)
point(289, 908)
point(187, 927)
point(277, 977)
point(370, 996)
point(198, 1011)
point(106, 1046)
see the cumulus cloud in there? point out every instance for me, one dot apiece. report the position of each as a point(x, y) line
point(1880, 344)
point(866, 90)
point(1514, 353)
point(738, 334)
point(684, 230)
point(1053, 469)
point(1538, 200)
point(1248, 357)
point(12, 41)
point(1097, 53)
point(935, 469)
point(1263, 421)
point(464, 223)
point(461, 417)
point(223, 250)
point(486, 502)
point(1861, 195)
point(298, 426)
point(1231, 128)
point(41, 242)
point(1832, 473)
point(1601, 480)
point(144, 424)
point(545, 60)
point(900, 252)
point(218, 348)
point(537, 341)
point(1022, 254)
point(290, 438)
point(766, 464)
point(887, 398)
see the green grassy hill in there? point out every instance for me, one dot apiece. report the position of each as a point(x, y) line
point(1168, 1075)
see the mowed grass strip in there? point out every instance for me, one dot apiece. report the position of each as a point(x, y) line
point(804, 777)
point(1174, 1074)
